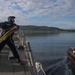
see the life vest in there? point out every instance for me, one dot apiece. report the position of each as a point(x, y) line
point(8, 33)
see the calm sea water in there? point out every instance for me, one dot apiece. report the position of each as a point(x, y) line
point(51, 51)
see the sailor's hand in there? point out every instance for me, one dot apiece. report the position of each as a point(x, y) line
point(16, 27)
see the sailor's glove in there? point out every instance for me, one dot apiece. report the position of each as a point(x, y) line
point(17, 27)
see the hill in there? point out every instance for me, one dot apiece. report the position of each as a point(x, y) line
point(38, 28)
point(30, 29)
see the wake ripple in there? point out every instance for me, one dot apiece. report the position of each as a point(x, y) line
point(57, 67)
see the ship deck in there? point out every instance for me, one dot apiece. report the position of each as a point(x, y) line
point(10, 66)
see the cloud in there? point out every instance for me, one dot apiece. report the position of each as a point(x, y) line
point(24, 9)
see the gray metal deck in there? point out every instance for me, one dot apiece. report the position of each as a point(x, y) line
point(11, 67)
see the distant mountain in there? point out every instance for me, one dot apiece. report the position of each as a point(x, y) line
point(39, 28)
point(31, 29)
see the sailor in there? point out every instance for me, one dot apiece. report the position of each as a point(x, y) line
point(9, 41)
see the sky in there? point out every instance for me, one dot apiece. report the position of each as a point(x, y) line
point(52, 13)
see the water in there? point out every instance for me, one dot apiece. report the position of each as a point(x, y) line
point(51, 51)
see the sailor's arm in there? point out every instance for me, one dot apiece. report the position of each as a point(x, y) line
point(16, 26)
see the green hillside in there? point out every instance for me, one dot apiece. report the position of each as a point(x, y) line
point(30, 29)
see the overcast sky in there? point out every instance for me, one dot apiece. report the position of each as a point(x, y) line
point(53, 13)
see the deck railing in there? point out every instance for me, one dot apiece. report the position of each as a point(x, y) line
point(28, 51)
